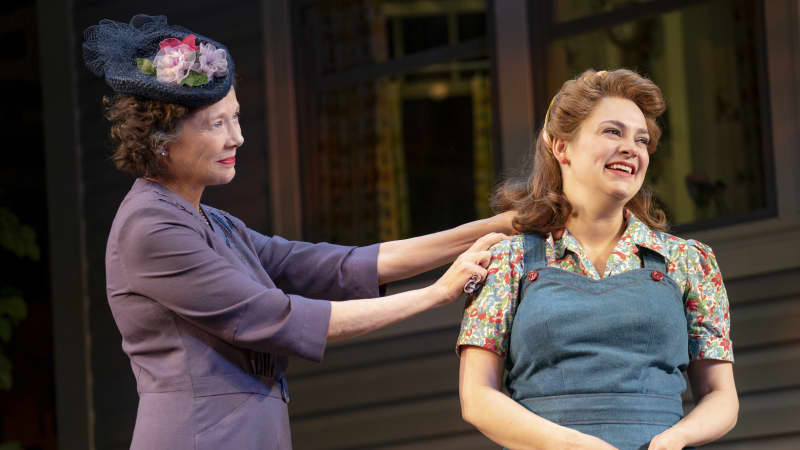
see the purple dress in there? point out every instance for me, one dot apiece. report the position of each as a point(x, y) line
point(209, 318)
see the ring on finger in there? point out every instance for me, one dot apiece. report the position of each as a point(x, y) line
point(473, 284)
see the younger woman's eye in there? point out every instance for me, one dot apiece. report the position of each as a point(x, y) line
point(217, 124)
point(236, 116)
point(644, 140)
point(613, 131)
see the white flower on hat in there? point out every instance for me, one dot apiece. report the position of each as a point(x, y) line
point(172, 64)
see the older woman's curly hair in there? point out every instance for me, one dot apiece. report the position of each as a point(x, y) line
point(540, 201)
point(141, 128)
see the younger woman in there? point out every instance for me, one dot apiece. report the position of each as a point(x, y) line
point(595, 311)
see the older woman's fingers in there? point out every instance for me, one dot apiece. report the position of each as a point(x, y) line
point(487, 241)
point(458, 278)
point(477, 276)
point(476, 269)
point(483, 257)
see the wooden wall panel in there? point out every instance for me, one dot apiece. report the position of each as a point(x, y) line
point(396, 423)
point(386, 383)
point(785, 442)
point(465, 440)
point(768, 413)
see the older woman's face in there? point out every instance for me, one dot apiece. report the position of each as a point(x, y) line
point(608, 158)
point(204, 154)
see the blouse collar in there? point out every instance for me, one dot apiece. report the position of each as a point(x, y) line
point(637, 234)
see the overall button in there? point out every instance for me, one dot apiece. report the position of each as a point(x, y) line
point(657, 275)
point(533, 275)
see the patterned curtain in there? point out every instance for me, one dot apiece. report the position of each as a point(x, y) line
point(356, 172)
point(483, 155)
point(393, 206)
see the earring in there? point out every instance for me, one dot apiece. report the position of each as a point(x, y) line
point(162, 152)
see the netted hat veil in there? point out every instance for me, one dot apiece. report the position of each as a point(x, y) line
point(110, 50)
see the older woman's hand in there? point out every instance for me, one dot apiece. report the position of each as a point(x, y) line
point(503, 222)
point(356, 317)
point(472, 262)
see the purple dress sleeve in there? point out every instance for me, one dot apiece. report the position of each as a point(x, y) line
point(323, 270)
point(165, 258)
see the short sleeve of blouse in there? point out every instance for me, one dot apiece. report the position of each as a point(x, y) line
point(707, 309)
point(488, 316)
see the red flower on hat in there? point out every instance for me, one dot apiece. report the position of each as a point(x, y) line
point(172, 42)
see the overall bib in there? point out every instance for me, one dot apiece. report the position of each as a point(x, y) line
point(604, 357)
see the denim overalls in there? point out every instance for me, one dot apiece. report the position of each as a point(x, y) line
point(604, 357)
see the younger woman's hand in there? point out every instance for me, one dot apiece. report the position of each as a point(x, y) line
point(666, 441)
point(588, 442)
point(472, 262)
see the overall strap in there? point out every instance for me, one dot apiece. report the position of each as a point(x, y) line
point(534, 259)
point(534, 251)
point(652, 260)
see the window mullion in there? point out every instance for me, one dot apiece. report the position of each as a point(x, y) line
point(617, 17)
point(469, 49)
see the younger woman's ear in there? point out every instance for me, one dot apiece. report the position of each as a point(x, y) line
point(560, 150)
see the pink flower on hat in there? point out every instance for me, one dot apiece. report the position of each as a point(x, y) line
point(172, 63)
point(172, 42)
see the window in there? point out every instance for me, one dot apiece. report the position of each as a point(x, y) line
point(713, 162)
point(395, 117)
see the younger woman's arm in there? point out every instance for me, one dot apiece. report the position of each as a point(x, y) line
point(716, 411)
point(503, 420)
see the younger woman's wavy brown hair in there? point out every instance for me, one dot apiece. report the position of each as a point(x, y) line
point(140, 128)
point(540, 201)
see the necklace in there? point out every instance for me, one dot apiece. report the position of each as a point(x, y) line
point(202, 213)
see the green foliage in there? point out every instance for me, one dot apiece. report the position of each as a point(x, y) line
point(195, 79)
point(17, 238)
point(12, 311)
point(20, 240)
point(5, 373)
point(11, 446)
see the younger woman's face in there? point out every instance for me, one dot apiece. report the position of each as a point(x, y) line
point(204, 154)
point(608, 159)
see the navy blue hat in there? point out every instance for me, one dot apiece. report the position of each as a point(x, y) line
point(151, 59)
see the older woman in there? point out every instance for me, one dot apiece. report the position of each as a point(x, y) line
point(208, 309)
point(595, 311)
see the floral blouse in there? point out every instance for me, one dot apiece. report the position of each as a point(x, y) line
point(692, 265)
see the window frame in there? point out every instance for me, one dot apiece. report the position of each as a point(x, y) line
point(308, 83)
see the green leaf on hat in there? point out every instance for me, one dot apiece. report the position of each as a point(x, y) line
point(195, 79)
point(146, 66)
